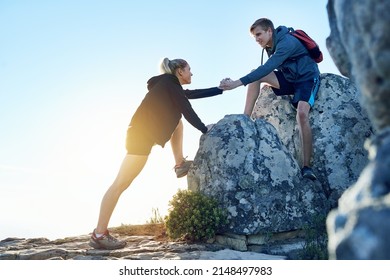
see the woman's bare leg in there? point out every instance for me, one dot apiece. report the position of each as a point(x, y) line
point(177, 143)
point(129, 170)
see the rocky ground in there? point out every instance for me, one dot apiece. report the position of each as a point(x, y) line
point(145, 242)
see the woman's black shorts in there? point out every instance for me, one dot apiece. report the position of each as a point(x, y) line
point(137, 143)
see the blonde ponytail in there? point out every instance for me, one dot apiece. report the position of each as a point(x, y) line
point(170, 66)
point(164, 66)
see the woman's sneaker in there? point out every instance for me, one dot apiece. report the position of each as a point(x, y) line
point(106, 242)
point(181, 169)
point(308, 173)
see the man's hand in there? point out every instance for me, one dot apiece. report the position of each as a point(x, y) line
point(228, 84)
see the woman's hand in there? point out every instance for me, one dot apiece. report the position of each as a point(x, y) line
point(209, 127)
point(228, 84)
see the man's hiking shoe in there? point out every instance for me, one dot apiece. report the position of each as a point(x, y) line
point(181, 169)
point(106, 242)
point(308, 173)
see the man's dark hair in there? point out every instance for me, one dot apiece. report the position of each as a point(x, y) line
point(264, 23)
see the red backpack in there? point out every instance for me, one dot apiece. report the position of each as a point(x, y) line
point(312, 47)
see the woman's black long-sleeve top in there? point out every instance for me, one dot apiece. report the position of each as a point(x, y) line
point(164, 104)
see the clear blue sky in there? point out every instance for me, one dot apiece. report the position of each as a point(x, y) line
point(72, 74)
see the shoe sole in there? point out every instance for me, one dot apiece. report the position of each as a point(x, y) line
point(185, 170)
point(180, 175)
point(97, 246)
point(313, 178)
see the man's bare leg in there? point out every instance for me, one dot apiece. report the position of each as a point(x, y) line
point(254, 91)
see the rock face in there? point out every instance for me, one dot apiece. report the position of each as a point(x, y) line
point(252, 166)
point(247, 168)
point(365, 59)
point(359, 228)
point(340, 127)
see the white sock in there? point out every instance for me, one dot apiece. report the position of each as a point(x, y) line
point(98, 235)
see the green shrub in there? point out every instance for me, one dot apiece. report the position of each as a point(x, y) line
point(193, 216)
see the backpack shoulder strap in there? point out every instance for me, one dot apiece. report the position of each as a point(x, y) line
point(262, 56)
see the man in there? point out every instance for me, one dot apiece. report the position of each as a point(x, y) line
point(289, 71)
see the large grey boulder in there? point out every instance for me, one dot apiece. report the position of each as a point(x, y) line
point(340, 128)
point(245, 166)
point(360, 46)
point(252, 165)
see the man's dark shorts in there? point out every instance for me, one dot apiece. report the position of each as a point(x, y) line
point(137, 143)
point(302, 91)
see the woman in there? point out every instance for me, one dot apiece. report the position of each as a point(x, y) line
point(156, 121)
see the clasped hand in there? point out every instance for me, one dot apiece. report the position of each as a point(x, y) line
point(227, 84)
